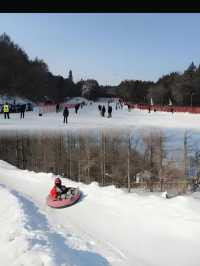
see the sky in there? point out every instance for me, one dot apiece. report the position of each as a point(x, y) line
point(108, 47)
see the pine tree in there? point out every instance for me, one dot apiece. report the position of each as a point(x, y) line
point(70, 77)
point(191, 67)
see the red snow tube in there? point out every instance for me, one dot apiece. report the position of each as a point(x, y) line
point(62, 203)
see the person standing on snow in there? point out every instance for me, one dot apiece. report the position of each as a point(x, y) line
point(77, 107)
point(59, 191)
point(103, 110)
point(6, 110)
point(22, 110)
point(57, 108)
point(109, 111)
point(65, 114)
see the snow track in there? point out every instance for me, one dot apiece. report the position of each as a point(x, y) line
point(107, 227)
point(41, 236)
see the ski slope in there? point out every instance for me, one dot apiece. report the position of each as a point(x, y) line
point(107, 227)
point(89, 118)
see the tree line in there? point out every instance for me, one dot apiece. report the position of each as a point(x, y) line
point(21, 76)
point(109, 158)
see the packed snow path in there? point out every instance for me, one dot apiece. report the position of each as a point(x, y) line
point(107, 227)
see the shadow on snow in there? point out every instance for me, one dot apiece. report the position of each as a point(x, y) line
point(63, 255)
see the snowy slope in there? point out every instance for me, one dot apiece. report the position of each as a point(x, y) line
point(107, 227)
point(89, 118)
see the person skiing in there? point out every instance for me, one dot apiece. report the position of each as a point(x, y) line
point(6, 110)
point(59, 191)
point(103, 110)
point(65, 114)
point(109, 111)
point(22, 110)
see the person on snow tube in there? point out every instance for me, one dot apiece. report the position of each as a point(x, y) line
point(59, 191)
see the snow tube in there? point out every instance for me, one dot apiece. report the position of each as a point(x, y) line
point(62, 203)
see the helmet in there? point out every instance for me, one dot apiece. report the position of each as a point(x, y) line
point(58, 181)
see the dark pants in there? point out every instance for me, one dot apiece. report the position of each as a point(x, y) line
point(6, 115)
point(109, 115)
point(22, 115)
point(65, 119)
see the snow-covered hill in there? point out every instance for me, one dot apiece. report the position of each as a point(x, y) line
point(107, 227)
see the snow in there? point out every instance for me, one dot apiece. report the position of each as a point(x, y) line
point(89, 118)
point(108, 226)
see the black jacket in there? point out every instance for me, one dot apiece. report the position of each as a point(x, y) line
point(66, 112)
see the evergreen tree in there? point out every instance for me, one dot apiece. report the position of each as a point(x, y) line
point(70, 77)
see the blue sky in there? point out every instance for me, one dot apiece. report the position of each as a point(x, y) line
point(108, 47)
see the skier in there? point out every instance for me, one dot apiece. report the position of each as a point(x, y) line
point(22, 110)
point(59, 191)
point(149, 109)
point(6, 110)
point(109, 111)
point(65, 114)
point(103, 110)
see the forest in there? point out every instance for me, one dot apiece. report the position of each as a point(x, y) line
point(21, 76)
point(124, 159)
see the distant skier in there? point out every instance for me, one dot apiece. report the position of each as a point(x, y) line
point(6, 110)
point(99, 107)
point(65, 114)
point(77, 107)
point(149, 109)
point(22, 110)
point(103, 110)
point(172, 110)
point(57, 108)
point(109, 111)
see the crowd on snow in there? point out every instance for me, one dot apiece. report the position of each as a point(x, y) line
point(101, 108)
point(8, 108)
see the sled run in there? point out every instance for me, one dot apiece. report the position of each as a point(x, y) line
point(107, 226)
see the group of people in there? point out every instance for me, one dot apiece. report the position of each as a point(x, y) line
point(102, 110)
point(6, 109)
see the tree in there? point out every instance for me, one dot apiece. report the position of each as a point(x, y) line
point(70, 77)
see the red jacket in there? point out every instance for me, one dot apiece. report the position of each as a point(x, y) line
point(54, 192)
